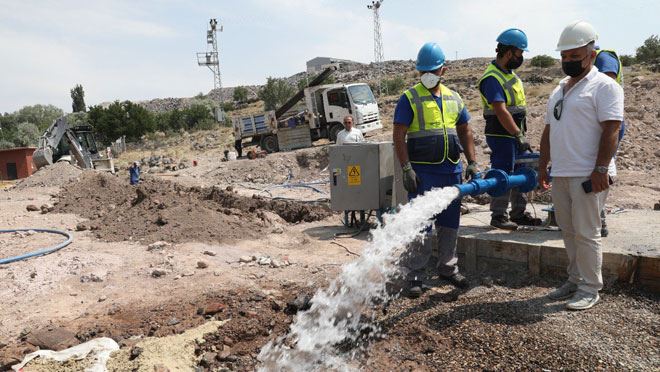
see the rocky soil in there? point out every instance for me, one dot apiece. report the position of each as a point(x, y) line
point(159, 210)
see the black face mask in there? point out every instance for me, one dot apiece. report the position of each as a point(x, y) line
point(514, 63)
point(573, 68)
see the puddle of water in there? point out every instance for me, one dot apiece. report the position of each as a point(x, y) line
point(344, 312)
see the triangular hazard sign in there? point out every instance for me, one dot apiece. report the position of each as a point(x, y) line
point(354, 172)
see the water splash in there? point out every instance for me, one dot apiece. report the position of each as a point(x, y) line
point(342, 312)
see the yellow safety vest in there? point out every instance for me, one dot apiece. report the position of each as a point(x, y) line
point(619, 74)
point(432, 135)
point(516, 103)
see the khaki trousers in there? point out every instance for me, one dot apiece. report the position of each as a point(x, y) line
point(578, 216)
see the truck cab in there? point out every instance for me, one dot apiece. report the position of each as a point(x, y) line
point(332, 102)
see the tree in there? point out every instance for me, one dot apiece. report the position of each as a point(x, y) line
point(121, 119)
point(195, 114)
point(4, 144)
point(275, 93)
point(542, 61)
point(240, 94)
point(27, 134)
point(627, 60)
point(40, 115)
point(650, 50)
point(78, 98)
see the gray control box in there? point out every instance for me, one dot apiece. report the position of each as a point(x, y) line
point(365, 176)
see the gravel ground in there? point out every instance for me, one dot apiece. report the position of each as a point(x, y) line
point(503, 328)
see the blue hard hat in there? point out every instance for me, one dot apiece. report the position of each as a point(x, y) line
point(430, 57)
point(514, 37)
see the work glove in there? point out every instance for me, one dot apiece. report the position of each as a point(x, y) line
point(522, 144)
point(472, 170)
point(410, 179)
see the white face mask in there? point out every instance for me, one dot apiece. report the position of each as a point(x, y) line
point(430, 80)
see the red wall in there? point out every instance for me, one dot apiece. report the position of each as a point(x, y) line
point(22, 157)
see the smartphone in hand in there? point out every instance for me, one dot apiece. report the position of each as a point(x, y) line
point(587, 187)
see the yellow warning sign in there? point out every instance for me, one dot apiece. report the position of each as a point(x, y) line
point(354, 177)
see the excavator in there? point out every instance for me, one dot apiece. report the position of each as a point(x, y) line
point(76, 145)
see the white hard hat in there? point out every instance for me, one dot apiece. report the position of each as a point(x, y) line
point(576, 35)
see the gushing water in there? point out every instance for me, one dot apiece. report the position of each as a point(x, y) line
point(342, 312)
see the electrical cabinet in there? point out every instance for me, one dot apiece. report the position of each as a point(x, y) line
point(365, 176)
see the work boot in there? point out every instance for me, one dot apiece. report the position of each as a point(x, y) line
point(565, 291)
point(414, 288)
point(502, 222)
point(582, 300)
point(457, 280)
point(527, 220)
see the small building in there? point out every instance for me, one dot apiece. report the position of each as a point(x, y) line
point(16, 163)
point(317, 64)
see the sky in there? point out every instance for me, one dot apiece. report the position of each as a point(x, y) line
point(145, 49)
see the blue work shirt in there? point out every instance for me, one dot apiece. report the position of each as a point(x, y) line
point(134, 174)
point(492, 89)
point(403, 115)
point(606, 62)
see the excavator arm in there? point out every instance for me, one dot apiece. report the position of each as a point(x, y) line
point(52, 138)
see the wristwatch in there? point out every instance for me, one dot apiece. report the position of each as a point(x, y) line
point(601, 169)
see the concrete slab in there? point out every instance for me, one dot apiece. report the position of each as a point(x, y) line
point(631, 252)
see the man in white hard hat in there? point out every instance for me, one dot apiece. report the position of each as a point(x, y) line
point(583, 118)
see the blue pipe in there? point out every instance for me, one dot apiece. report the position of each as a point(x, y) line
point(40, 252)
point(497, 182)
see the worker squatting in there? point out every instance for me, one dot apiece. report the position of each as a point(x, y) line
point(583, 125)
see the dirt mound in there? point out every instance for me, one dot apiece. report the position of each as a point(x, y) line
point(161, 210)
point(54, 175)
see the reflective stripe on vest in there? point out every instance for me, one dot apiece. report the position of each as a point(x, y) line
point(619, 74)
point(431, 121)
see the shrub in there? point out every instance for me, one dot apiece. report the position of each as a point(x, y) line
point(542, 61)
point(240, 94)
point(394, 85)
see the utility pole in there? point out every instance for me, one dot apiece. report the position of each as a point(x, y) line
point(210, 57)
point(378, 40)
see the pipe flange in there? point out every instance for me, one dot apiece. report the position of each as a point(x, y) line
point(530, 176)
point(502, 184)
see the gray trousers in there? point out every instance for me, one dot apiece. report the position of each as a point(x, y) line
point(416, 257)
point(500, 204)
point(578, 217)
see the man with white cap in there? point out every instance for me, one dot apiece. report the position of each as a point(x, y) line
point(583, 118)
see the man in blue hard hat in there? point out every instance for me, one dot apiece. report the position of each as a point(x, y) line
point(434, 120)
point(608, 62)
point(505, 111)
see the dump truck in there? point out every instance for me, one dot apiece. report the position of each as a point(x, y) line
point(75, 145)
point(316, 111)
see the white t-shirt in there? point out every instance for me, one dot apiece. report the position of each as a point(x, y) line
point(575, 138)
point(354, 136)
